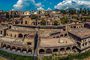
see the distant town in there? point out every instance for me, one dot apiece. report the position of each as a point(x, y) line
point(44, 33)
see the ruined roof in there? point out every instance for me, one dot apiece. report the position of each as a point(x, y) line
point(3, 27)
point(56, 42)
point(81, 33)
point(21, 31)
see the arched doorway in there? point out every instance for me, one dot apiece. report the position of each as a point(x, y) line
point(62, 50)
point(57, 36)
point(55, 50)
point(20, 35)
point(74, 48)
point(29, 50)
point(13, 48)
point(41, 51)
point(68, 49)
point(18, 49)
point(24, 50)
point(61, 35)
point(65, 35)
point(48, 51)
point(3, 46)
point(8, 46)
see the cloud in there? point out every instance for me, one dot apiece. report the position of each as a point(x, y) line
point(22, 3)
point(40, 8)
point(27, 5)
point(38, 4)
point(19, 4)
point(73, 4)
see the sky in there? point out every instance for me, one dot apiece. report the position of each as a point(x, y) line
point(42, 4)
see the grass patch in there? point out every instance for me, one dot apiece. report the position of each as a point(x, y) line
point(14, 56)
point(80, 56)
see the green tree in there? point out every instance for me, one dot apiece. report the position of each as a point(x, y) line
point(56, 23)
point(64, 20)
point(43, 22)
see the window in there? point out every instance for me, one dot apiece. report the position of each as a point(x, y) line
point(48, 51)
point(29, 43)
point(41, 51)
point(61, 35)
point(65, 34)
point(55, 50)
point(86, 43)
point(1, 32)
point(16, 22)
point(74, 26)
point(83, 44)
point(25, 22)
point(15, 36)
point(21, 22)
point(20, 36)
point(64, 29)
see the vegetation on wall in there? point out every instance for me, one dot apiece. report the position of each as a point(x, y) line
point(64, 20)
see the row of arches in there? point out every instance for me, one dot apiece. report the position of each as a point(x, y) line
point(77, 26)
point(23, 35)
point(60, 35)
point(17, 49)
point(20, 35)
point(21, 22)
point(61, 50)
point(46, 22)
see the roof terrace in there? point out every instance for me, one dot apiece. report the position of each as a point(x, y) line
point(81, 33)
point(56, 42)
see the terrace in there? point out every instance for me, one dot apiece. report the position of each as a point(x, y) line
point(81, 33)
point(21, 31)
point(56, 42)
